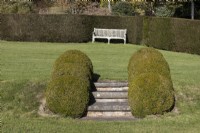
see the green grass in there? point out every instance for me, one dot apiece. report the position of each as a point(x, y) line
point(35, 60)
point(26, 68)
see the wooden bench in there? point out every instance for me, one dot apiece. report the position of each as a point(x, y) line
point(109, 34)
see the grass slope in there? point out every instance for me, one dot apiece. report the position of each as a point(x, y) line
point(26, 68)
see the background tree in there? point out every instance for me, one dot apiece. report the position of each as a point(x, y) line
point(184, 7)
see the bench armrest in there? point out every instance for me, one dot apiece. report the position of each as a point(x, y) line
point(125, 34)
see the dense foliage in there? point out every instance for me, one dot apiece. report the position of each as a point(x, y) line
point(16, 7)
point(75, 57)
point(68, 96)
point(172, 34)
point(68, 91)
point(150, 85)
point(23, 6)
point(162, 33)
point(150, 93)
point(180, 8)
point(123, 8)
point(73, 63)
point(71, 69)
point(164, 11)
point(64, 28)
point(148, 60)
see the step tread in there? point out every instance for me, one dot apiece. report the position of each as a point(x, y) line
point(110, 95)
point(108, 113)
point(110, 84)
point(115, 89)
point(109, 106)
point(111, 100)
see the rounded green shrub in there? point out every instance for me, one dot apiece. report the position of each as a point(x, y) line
point(150, 93)
point(148, 60)
point(68, 96)
point(74, 56)
point(68, 91)
point(72, 69)
point(150, 85)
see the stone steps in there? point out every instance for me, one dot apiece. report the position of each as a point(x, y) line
point(109, 106)
point(110, 102)
point(109, 114)
point(110, 84)
point(110, 95)
point(112, 89)
point(105, 118)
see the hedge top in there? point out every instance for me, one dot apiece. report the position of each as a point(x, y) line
point(148, 60)
point(72, 69)
point(74, 56)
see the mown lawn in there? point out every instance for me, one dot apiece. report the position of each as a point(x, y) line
point(25, 72)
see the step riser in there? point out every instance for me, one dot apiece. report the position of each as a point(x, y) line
point(109, 106)
point(108, 114)
point(111, 100)
point(112, 89)
point(110, 95)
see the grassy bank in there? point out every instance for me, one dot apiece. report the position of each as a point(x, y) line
point(25, 72)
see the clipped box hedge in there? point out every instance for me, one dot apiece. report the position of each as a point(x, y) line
point(171, 34)
point(64, 28)
point(75, 57)
point(68, 91)
point(150, 85)
point(181, 35)
point(157, 33)
point(45, 28)
point(148, 60)
point(150, 93)
point(68, 96)
point(187, 36)
point(70, 69)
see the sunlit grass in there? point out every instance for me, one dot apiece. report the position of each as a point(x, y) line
point(34, 61)
point(26, 68)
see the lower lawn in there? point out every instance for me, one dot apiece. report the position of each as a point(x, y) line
point(25, 70)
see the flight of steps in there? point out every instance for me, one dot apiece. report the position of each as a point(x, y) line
point(110, 102)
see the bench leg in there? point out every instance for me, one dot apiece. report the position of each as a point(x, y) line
point(108, 40)
point(93, 39)
point(124, 41)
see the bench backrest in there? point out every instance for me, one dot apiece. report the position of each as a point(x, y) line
point(110, 32)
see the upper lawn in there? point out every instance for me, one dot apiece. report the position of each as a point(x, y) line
point(34, 61)
point(26, 68)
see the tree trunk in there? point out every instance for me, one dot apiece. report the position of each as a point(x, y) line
point(109, 6)
point(192, 9)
